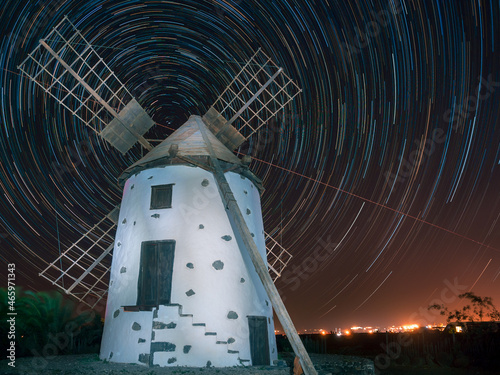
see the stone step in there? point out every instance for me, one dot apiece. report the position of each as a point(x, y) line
point(162, 328)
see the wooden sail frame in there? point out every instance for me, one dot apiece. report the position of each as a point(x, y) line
point(68, 68)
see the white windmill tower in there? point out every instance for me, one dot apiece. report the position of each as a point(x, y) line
point(189, 281)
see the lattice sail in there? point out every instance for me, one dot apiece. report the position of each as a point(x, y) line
point(277, 257)
point(86, 263)
point(258, 92)
point(66, 66)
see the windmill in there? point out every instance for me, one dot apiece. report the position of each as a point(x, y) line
point(190, 278)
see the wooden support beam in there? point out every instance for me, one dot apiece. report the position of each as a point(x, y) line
point(241, 229)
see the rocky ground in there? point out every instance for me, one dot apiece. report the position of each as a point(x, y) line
point(89, 364)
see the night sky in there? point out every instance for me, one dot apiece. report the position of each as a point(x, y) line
point(382, 177)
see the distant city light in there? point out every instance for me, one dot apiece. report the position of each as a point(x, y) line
point(366, 330)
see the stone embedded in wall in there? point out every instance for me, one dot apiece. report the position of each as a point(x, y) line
point(124, 221)
point(244, 191)
point(251, 234)
point(161, 325)
point(190, 292)
point(110, 355)
point(205, 183)
point(230, 340)
point(186, 349)
point(227, 238)
point(248, 211)
point(209, 363)
point(218, 265)
point(123, 269)
point(134, 222)
point(172, 360)
point(140, 341)
point(232, 315)
point(144, 358)
point(150, 177)
point(136, 326)
point(132, 187)
point(119, 243)
point(201, 226)
point(156, 216)
point(242, 280)
point(116, 313)
point(162, 347)
point(190, 265)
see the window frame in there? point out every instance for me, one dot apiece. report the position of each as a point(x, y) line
point(154, 191)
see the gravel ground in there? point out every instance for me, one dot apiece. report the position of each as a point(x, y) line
point(89, 364)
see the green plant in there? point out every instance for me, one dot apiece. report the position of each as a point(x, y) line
point(49, 318)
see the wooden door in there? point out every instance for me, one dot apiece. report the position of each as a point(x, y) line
point(155, 273)
point(259, 340)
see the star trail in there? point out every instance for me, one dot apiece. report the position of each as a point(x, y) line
point(382, 177)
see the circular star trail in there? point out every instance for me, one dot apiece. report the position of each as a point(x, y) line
point(382, 176)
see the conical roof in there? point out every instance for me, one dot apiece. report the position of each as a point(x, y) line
point(189, 142)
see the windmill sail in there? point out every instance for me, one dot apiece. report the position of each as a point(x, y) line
point(66, 66)
point(84, 264)
point(256, 94)
point(277, 257)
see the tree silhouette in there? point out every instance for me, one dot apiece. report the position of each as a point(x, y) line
point(477, 309)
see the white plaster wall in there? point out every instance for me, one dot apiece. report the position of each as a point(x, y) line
point(122, 343)
point(234, 288)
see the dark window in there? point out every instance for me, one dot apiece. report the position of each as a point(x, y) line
point(155, 273)
point(259, 340)
point(161, 196)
